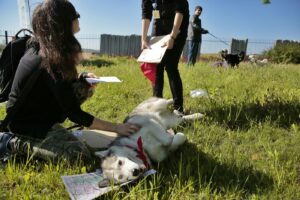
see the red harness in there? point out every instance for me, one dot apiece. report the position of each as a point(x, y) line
point(140, 152)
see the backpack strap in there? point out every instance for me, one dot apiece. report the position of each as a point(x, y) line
point(23, 30)
point(28, 86)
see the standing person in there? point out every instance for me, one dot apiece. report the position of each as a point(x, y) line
point(56, 94)
point(171, 18)
point(194, 38)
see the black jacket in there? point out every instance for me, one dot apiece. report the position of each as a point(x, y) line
point(167, 9)
point(195, 29)
point(49, 102)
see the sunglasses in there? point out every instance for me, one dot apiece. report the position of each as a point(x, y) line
point(77, 15)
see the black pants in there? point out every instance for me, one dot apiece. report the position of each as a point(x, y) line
point(170, 63)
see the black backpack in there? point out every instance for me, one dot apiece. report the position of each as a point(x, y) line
point(9, 62)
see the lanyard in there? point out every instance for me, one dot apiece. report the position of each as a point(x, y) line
point(154, 4)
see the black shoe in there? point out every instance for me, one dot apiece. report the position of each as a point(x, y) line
point(5, 152)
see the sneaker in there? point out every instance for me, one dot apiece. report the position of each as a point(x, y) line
point(5, 152)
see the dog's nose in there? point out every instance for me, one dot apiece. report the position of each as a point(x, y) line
point(136, 172)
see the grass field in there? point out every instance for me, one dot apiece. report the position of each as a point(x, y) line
point(246, 147)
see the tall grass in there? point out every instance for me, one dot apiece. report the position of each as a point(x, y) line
point(246, 147)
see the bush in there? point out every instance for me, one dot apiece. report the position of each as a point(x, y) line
point(284, 51)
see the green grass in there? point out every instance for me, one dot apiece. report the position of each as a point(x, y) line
point(246, 147)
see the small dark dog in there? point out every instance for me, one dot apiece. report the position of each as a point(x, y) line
point(232, 59)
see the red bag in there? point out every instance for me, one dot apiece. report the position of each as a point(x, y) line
point(149, 70)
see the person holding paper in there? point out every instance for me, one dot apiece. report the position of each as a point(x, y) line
point(56, 94)
point(171, 17)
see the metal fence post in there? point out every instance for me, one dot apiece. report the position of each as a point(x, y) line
point(6, 38)
point(99, 44)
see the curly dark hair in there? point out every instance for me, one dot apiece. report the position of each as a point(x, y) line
point(52, 23)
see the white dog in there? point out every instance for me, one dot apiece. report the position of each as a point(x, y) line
point(128, 157)
point(255, 61)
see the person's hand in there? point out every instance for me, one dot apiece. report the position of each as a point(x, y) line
point(169, 42)
point(84, 75)
point(145, 45)
point(126, 129)
point(90, 75)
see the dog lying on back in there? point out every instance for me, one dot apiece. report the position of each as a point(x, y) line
point(129, 156)
point(232, 59)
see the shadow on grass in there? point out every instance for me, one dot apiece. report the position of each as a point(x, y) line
point(240, 116)
point(205, 171)
point(96, 62)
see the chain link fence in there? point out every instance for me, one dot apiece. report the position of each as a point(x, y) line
point(115, 45)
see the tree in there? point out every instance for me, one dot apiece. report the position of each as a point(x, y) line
point(266, 1)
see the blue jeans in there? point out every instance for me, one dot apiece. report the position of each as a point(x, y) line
point(193, 49)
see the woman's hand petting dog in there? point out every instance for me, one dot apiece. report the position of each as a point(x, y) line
point(126, 129)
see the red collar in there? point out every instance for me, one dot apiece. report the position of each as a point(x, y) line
point(141, 153)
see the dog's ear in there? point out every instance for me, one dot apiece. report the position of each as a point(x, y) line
point(102, 154)
point(104, 183)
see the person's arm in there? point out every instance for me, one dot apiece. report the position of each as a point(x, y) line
point(146, 19)
point(121, 129)
point(175, 30)
point(181, 9)
point(195, 26)
point(145, 28)
point(71, 108)
point(204, 31)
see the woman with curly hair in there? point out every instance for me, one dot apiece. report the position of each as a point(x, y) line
point(58, 91)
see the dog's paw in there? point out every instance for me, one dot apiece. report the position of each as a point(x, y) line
point(178, 140)
point(178, 113)
point(170, 101)
point(194, 116)
point(168, 140)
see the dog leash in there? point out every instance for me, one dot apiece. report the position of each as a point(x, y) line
point(219, 39)
point(223, 42)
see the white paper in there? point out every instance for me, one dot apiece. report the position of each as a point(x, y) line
point(104, 79)
point(156, 53)
point(85, 186)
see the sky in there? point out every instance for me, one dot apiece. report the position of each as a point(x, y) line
point(223, 18)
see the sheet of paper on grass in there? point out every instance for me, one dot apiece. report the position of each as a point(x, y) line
point(156, 53)
point(85, 186)
point(104, 79)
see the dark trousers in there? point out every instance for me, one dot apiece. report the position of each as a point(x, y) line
point(170, 64)
point(193, 49)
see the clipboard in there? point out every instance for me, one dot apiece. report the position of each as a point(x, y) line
point(156, 53)
point(104, 79)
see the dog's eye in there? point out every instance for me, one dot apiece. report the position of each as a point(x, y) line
point(120, 177)
point(120, 162)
